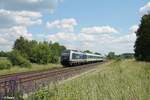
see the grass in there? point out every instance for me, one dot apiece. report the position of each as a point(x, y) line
point(35, 67)
point(118, 80)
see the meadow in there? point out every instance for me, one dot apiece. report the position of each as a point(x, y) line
point(17, 69)
point(116, 80)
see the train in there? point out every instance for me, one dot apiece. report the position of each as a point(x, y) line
point(74, 57)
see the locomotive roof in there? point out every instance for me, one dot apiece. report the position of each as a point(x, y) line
point(89, 54)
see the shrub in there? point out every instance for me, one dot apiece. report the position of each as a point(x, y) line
point(41, 54)
point(16, 58)
point(54, 59)
point(5, 64)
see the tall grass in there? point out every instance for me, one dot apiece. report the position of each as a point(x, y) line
point(35, 67)
point(119, 80)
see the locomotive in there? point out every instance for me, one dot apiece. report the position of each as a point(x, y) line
point(74, 57)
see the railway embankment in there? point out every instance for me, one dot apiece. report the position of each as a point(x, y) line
point(31, 81)
point(122, 79)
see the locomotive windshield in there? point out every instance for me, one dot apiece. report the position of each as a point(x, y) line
point(65, 55)
point(66, 51)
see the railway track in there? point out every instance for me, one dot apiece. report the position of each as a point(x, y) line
point(31, 81)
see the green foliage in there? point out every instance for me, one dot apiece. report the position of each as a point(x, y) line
point(17, 59)
point(116, 80)
point(88, 51)
point(3, 54)
point(142, 44)
point(111, 55)
point(22, 46)
point(43, 94)
point(127, 56)
point(5, 64)
point(41, 54)
point(97, 53)
point(34, 67)
point(56, 50)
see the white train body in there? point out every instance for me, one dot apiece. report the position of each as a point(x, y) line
point(72, 57)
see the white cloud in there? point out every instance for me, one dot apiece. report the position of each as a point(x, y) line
point(18, 31)
point(15, 32)
point(64, 24)
point(145, 9)
point(9, 35)
point(134, 28)
point(22, 18)
point(3, 41)
point(128, 38)
point(14, 24)
point(102, 42)
point(28, 5)
point(99, 30)
point(62, 36)
point(17, 15)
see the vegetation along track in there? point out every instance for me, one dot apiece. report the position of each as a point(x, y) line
point(30, 81)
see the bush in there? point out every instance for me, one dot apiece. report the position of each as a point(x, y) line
point(54, 59)
point(5, 64)
point(16, 58)
point(41, 54)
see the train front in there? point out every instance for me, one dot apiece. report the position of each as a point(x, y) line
point(65, 58)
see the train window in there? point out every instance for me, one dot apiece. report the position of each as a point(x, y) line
point(81, 56)
point(75, 56)
point(84, 56)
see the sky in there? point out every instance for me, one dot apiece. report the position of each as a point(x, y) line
point(97, 25)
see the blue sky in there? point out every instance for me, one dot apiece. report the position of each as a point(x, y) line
point(118, 13)
point(97, 25)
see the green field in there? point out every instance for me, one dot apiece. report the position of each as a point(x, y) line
point(18, 69)
point(35, 67)
point(116, 80)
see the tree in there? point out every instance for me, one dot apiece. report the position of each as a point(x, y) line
point(3, 54)
point(56, 50)
point(23, 46)
point(142, 44)
point(111, 55)
point(88, 51)
point(41, 54)
point(127, 55)
point(97, 53)
point(62, 48)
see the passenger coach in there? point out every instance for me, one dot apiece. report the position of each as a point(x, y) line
point(73, 57)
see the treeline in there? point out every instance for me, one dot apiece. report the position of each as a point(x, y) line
point(26, 52)
point(112, 55)
point(3, 54)
point(88, 51)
